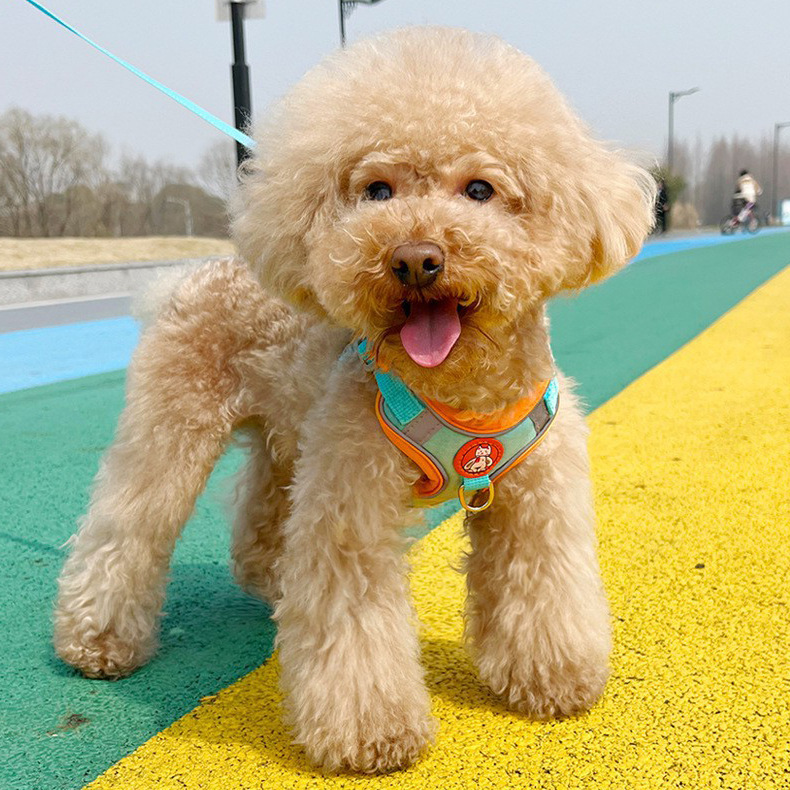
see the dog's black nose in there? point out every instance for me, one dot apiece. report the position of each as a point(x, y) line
point(418, 263)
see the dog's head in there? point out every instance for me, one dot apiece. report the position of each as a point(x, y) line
point(429, 189)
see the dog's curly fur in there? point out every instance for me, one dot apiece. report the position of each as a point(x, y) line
point(426, 110)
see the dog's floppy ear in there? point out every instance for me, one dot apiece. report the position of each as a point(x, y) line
point(610, 210)
point(275, 207)
point(294, 180)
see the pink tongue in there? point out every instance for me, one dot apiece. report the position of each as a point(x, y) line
point(430, 331)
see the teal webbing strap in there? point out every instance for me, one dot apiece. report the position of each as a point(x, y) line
point(476, 483)
point(403, 403)
point(231, 131)
point(551, 397)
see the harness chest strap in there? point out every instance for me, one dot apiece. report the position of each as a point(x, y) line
point(460, 453)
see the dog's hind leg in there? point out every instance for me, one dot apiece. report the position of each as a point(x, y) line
point(182, 402)
point(261, 508)
point(538, 620)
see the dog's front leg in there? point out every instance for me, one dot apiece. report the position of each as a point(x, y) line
point(538, 620)
point(356, 698)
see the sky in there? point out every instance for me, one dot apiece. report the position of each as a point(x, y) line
point(616, 61)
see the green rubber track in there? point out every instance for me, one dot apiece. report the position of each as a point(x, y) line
point(59, 730)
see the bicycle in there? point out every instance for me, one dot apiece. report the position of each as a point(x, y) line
point(746, 219)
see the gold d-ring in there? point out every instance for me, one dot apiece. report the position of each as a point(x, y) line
point(472, 508)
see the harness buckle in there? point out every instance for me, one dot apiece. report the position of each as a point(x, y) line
point(477, 508)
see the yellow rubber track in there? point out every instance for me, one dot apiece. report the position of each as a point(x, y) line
point(692, 485)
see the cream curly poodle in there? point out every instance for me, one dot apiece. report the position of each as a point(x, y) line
point(412, 205)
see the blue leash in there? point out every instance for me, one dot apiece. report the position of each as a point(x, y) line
point(231, 131)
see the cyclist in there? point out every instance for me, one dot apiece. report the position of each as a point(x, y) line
point(746, 191)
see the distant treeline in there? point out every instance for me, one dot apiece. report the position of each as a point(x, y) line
point(55, 181)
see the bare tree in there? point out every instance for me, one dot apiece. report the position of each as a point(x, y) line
point(54, 182)
point(43, 160)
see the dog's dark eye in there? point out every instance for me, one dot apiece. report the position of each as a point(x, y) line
point(479, 190)
point(378, 190)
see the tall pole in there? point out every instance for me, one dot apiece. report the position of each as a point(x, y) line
point(342, 23)
point(240, 73)
point(187, 212)
point(346, 7)
point(673, 97)
point(775, 181)
point(670, 137)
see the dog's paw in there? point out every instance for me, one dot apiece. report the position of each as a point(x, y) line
point(101, 655)
point(544, 691)
point(389, 743)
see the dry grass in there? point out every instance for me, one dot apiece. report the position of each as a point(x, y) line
point(18, 254)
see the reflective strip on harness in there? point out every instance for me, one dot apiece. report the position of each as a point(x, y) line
point(434, 480)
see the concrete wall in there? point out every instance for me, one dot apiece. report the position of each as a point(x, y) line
point(19, 287)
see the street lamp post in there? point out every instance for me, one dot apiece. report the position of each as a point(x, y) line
point(187, 212)
point(346, 7)
point(240, 76)
point(673, 97)
point(236, 11)
point(775, 182)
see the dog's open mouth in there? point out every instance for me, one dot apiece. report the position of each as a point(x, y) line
point(431, 330)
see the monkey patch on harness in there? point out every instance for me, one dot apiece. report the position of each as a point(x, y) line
point(460, 453)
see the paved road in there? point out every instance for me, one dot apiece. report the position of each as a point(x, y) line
point(63, 311)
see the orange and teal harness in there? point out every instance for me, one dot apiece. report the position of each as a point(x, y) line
point(460, 453)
